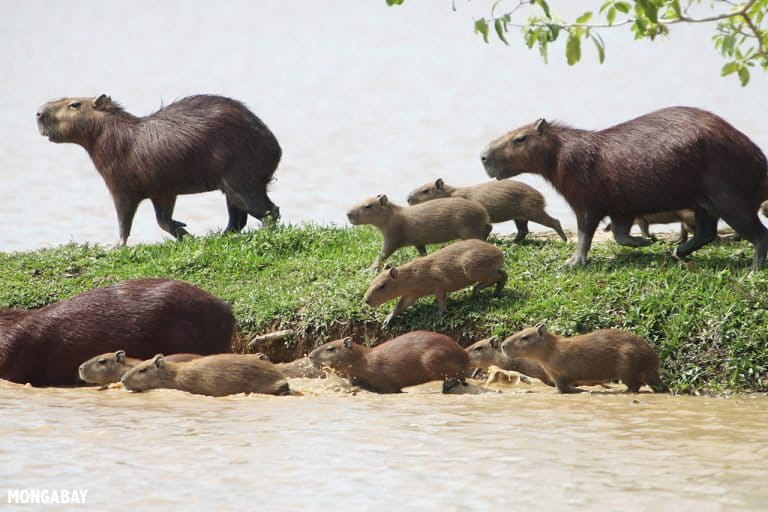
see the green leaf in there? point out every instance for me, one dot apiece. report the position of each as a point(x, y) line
point(395, 2)
point(481, 27)
point(583, 18)
point(729, 68)
point(648, 8)
point(611, 16)
point(600, 49)
point(744, 75)
point(605, 6)
point(544, 7)
point(676, 8)
point(573, 50)
point(500, 30)
point(622, 6)
point(554, 31)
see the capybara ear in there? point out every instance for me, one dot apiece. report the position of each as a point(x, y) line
point(541, 328)
point(120, 356)
point(159, 361)
point(540, 126)
point(393, 272)
point(101, 100)
point(383, 199)
point(494, 342)
point(439, 183)
point(347, 342)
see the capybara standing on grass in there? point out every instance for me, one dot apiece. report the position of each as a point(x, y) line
point(433, 222)
point(453, 267)
point(674, 158)
point(196, 144)
point(46, 346)
point(109, 368)
point(503, 200)
point(588, 359)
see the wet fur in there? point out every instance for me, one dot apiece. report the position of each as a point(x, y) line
point(487, 352)
point(108, 367)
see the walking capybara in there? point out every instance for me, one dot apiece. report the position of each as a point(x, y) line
point(677, 157)
point(196, 144)
point(487, 352)
point(298, 368)
point(110, 367)
point(429, 223)
point(216, 375)
point(451, 268)
point(46, 346)
point(686, 218)
point(408, 360)
point(588, 359)
point(503, 200)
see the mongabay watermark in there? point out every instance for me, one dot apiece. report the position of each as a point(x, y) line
point(47, 496)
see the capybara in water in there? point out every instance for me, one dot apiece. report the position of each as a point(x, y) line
point(588, 359)
point(487, 352)
point(298, 368)
point(46, 346)
point(451, 268)
point(503, 200)
point(677, 157)
point(195, 144)
point(686, 218)
point(413, 358)
point(216, 375)
point(429, 223)
point(110, 367)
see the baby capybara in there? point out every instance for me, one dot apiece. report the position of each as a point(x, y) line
point(110, 367)
point(451, 268)
point(433, 222)
point(196, 144)
point(503, 200)
point(674, 158)
point(408, 360)
point(46, 346)
point(487, 352)
point(686, 218)
point(588, 359)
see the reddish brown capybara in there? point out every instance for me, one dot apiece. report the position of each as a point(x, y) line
point(673, 158)
point(686, 218)
point(503, 200)
point(110, 367)
point(46, 346)
point(487, 352)
point(408, 360)
point(298, 368)
point(588, 359)
point(196, 144)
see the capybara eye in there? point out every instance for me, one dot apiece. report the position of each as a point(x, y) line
point(331, 349)
point(102, 361)
point(143, 370)
point(478, 349)
point(524, 338)
point(367, 206)
point(520, 138)
point(74, 104)
point(382, 285)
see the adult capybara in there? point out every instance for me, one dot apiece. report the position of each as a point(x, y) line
point(46, 346)
point(408, 360)
point(677, 157)
point(216, 375)
point(451, 268)
point(503, 200)
point(588, 359)
point(487, 352)
point(429, 223)
point(195, 144)
point(298, 368)
point(110, 367)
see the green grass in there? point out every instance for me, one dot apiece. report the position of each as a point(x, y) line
point(707, 320)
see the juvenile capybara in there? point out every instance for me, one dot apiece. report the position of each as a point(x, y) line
point(298, 368)
point(196, 144)
point(503, 200)
point(429, 223)
point(46, 346)
point(588, 359)
point(487, 352)
point(216, 375)
point(110, 367)
point(451, 268)
point(408, 360)
point(686, 218)
point(673, 158)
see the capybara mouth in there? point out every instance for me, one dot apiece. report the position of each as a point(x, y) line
point(352, 219)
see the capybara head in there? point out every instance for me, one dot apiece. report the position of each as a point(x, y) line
point(484, 352)
point(386, 286)
point(427, 192)
point(150, 374)
point(74, 119)
point(370, 211)
point(529, 343)
point(105, 368)
point(337, 354)
point(518, 151)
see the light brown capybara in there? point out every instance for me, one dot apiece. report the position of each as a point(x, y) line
point(298, 368)
point(46, 346)
point(487, 352)
point(429, 223)
point(196, 144)
point(216, 375)
point(673, 158)
point(686, 218)
point(503, 200)
point(110, 367)
point(588, 359)
point(408, 360)
point(451, 268)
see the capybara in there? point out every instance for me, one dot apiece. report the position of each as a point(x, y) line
point(588, 359)
point(503, 200)
point(216, 375)
point(413, 358)
point(110, 367)
point(487, 352)
point(46, 346)
point(451, 268)
point(429, 223)
point(686, 218)
point(298, 368)
point(673, 158)
point(195, 144)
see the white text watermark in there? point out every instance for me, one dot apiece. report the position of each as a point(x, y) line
point(47, 496)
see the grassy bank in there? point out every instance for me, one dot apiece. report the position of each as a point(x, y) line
point(707, 320)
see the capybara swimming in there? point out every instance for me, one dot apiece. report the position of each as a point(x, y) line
point(686, 218)
point(110, 367)
point(588, 359)
point(487, 352)
point(429, 223)
point(298, 368)
point(216, 375)
point(503, 200)
point(413, 358)
point(451, 268)
point(677, 157)
point(195, 144)
point(46, 346)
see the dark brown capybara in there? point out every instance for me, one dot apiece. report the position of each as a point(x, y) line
point(196, 144)
point(408, 360)
point(487, 352)
point(673, 158)
point(46, 346)
point(298, 368)
point(110, 367)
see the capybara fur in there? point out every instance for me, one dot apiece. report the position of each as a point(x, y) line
point(588, 359)
point(110, 367)
point(46, 346)
point(451, 268)
point(298, 368)
point(686, 218)
point(430, 223)
point(408, 360)
point(670, 159)
point(503, 200)
point(487, 352)
point(196, 144)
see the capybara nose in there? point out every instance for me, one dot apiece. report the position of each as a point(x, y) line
point(483, 157)
point(38, 114)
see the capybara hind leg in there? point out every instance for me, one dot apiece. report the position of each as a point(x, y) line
point(748, 225)
point(500, 283)
point(163, 212)
point(237, 218)
point(564, 386)
point(644, 227)
point(587, 224)
point(550, 222)
point(684, 230)
point(126, 209)
point(706, 231)
point(621, 227)
point(522, 230)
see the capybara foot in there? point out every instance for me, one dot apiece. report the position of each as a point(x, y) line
point(576, 261)
point(449, 384)
point(520, 237)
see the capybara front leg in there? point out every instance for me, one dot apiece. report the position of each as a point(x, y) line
point(442, 301)
point(587, 224)
point(644, 227)
point(403, 304)
point(126, 209)
point(564, 386)
point(706, 231)
point(421, 249)
point(621, 227)
point(386, 252)
point(522, 230)
point(238, 218)
point(163, 212)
